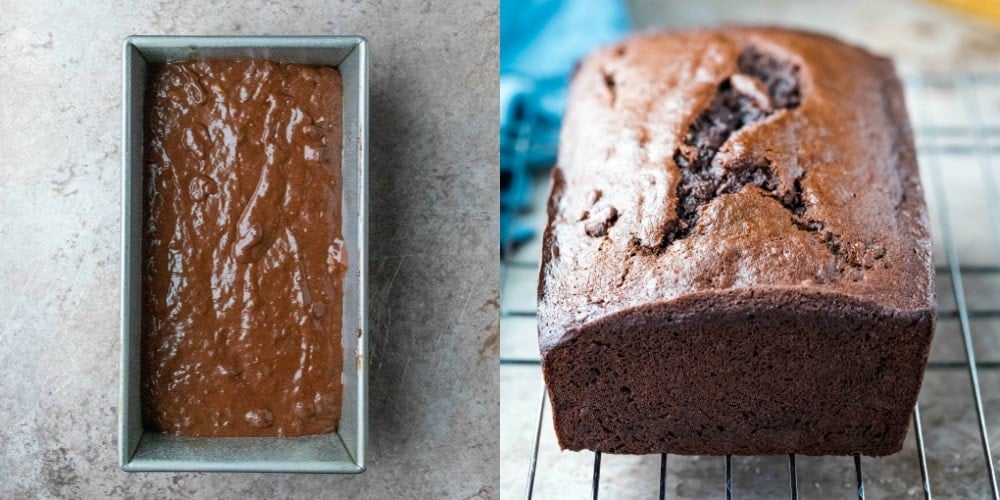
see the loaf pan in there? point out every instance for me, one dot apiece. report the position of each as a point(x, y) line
point(342, 452)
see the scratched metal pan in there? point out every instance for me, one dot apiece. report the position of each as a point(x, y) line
point(342, 452)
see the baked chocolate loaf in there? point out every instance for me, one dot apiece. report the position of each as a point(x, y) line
point(737, 258)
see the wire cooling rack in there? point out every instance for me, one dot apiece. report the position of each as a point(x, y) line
point(956, 120)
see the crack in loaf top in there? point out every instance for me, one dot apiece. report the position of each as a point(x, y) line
point(733, 159)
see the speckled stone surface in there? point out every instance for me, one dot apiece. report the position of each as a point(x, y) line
point(433, 303)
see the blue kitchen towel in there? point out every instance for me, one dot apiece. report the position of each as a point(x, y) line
point(540, 42)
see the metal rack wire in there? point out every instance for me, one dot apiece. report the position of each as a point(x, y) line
point(977, 143)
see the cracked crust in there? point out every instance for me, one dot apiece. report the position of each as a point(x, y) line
point(843, 207)
point(717, 163)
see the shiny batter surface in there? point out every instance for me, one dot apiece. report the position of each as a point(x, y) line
point(243, 251)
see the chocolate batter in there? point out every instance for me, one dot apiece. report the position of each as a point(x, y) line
point(244, 256)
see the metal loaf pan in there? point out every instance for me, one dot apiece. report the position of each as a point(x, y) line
point(341, 452)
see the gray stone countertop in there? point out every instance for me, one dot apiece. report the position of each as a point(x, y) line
point(434, 187)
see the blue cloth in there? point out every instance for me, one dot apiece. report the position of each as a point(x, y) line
point(540, 43)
